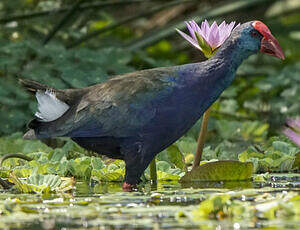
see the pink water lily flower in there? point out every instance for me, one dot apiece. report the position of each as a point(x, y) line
point(293, 130)
point(206, 36)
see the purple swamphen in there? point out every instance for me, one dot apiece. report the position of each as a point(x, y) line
point(135, 116)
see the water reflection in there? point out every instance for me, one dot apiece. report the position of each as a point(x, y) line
point(106, 206)
point(219, 184)
point(85, 189)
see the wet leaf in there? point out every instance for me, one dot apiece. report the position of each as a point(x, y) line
point(212, 205)
point(48, 180)
point(45, 184)
point(176, 157)
point(220, 171)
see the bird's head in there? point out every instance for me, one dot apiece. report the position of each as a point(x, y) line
point(255, 36)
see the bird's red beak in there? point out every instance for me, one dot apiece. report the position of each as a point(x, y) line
point(269, 44)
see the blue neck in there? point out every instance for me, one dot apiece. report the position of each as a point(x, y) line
point(210, 78)
point(232, 54)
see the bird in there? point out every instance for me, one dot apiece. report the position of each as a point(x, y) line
point(136, 115)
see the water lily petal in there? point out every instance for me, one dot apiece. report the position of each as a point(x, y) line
point(295, 137)
point(230, 26)
point(191, 29)
point(225, 32)
point(205, 29)
point(189, 39)
point(196, 27)
point(294, 124)
point(222, 30)
point(214, 37)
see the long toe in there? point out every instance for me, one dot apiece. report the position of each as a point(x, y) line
point(129, 187)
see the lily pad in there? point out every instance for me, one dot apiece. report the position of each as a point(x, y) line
point(45, 184)
point(52, 180)
point(220, 171)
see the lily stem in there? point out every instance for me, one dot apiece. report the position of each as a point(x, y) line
point(153, 172)
point(14, 155)
point(3, 183)
point(201, 139)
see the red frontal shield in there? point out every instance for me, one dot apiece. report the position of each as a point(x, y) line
point(269, 44)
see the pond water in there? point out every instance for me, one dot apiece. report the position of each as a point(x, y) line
point(225, 205)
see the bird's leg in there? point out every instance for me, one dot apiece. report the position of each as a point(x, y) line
point(132, 158)
point(135, 166)
point(128, 187)
point(132, 175)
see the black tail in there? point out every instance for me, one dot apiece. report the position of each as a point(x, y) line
point(69, 96)
point(42, 129)
point(33, 86)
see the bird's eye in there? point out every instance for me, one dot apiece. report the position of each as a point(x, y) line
point(254, 33)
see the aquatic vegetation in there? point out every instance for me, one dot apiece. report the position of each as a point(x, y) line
point(171, 204)
point(238, 207)
point(70, 160)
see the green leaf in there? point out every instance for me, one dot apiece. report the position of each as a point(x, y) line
point(80, 167)
point(176, 157)
point(246, 155)
point(296, 164)
point(212, 205)
point(164, 176)
point(285, 148)
point(163, 166)
point(97, 163)
point(112, 172)
point(52, 181)
point(107, 175)
point(57, 155)
point(220, 171)
point(37, 183)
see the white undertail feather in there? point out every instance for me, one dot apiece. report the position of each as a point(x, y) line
point(49, 107)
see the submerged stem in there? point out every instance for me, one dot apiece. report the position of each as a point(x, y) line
point(3, 183)
point(153, 172)
point(14, 155)
point(201, 139)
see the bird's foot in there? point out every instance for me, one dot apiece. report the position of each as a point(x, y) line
point(129, 187)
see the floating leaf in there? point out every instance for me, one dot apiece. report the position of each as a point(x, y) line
point(49, 180)
point(45, 184)
point(220, 171)
point(164, 176)
point(212, 205)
